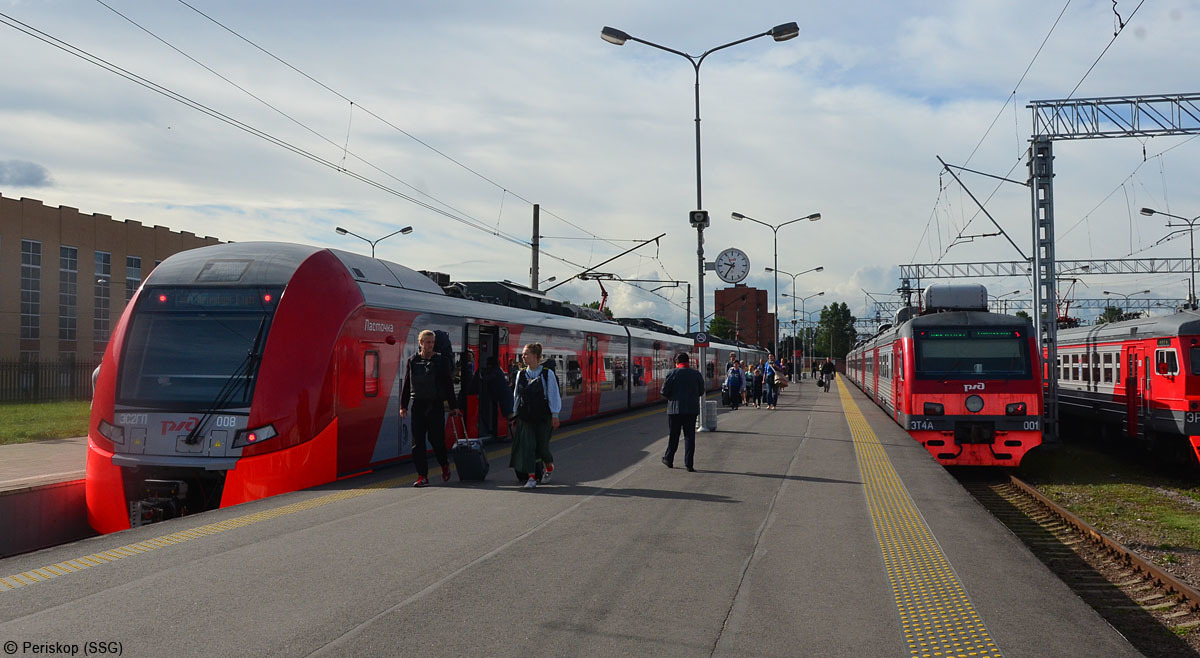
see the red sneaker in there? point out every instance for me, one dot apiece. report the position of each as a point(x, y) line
point(446, 473)
point(422, 481)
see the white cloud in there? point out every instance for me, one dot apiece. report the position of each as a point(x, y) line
point(845, 120)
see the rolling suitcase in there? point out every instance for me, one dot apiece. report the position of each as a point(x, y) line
point(470, 459)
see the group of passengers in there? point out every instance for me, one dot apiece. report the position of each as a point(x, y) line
point(428, 384)
point(759, 383)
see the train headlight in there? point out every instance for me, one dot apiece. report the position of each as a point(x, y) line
point(114, 433)
point(974, 404)
point(1015, 409)
point(934, 409)
point(253, 437)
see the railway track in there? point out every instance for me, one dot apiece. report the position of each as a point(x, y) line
point(1159, 614)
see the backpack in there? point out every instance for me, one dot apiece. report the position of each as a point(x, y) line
point(735, 377)
point(532, 407)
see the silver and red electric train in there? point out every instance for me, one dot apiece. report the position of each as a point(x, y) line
point(963, 382)
point(241, 371)
point(1138, 379)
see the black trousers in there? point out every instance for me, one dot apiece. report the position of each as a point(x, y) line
point(428, 422)
point(687, 423)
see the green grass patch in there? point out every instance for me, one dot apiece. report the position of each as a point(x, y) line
point(21, 423)
point(1121, 495)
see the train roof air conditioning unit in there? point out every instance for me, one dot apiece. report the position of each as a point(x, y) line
point(955, 297)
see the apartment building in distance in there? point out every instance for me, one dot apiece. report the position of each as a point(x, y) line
point(748, 309)
point(65, 277)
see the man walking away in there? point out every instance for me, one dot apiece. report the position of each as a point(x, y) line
point(682, 389)
point(827, 371)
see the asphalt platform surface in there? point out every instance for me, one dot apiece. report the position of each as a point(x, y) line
point(767, 550)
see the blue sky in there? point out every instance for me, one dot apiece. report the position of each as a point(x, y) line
point(533, 107)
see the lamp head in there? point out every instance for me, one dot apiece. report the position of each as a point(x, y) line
point(819, 269)
point(785, 31)
point(820, 293)
point(813, 217)
point(767, 269)
point(1108, 292)
point(1147, 211)
point(614, 36)
point(738, 216)
point(341, 231)
point(406, 230)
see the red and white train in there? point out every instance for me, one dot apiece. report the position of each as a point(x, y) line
point(963, 382)
point(1137, 379)
point(241, 371)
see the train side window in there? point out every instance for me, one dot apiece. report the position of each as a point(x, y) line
point(1108, 368)
point(574, 375)
point(1074, 376)
point(1165, 362)
point(370, 374)
point(1095, 367)
point(1117, 366)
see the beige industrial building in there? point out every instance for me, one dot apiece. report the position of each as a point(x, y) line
point(65, 277)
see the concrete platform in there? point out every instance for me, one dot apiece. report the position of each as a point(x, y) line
point(770, 549)
point(41, 494)
point(24, 465)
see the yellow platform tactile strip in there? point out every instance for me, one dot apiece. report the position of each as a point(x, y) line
point(936, 616)
point(43, 574)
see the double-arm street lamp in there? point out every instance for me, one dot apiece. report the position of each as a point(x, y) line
point(406, 230)
point(775, 228)
point(803, 314)
point(1191, 225)
point(1126, 297)
point(781, 32)
point(1001, 296)
point(793, 289)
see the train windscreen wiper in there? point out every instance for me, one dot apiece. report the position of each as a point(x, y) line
point(246, 369)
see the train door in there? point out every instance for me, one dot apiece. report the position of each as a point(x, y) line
point(589, 397)
point(484, 340)
point(1132, 391)
point(897, 379)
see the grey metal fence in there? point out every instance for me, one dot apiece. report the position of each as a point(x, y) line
point(45, 381)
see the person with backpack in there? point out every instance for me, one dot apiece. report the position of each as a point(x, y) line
point(428, 384)
point(735, 379)
point(538, 405)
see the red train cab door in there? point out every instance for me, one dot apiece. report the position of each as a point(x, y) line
point(587, 399)
point(897, 374)
point(1133, 392)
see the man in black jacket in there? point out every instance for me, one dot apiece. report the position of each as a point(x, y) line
point(428, 382)
point(682, 389)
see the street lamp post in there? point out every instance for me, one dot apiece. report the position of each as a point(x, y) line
point(1191, 225)
point(1126, 297)
point(803, 313)
point(406, 230)
point(775, 228)
point(781, 32)
point(1001, 296)
point(793, 296)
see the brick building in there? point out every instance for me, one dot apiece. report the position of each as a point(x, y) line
point(65, 277)
point(748, 309)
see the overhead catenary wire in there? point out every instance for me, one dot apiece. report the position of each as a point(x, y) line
point(240, 125)
point(383, 120)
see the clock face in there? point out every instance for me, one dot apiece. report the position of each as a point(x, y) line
point(732, 265)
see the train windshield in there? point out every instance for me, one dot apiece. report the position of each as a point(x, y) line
point(962, 353)
point(188, 346)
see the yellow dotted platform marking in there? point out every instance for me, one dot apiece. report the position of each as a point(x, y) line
point(936, 616)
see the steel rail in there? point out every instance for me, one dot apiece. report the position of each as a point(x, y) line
point(1161, 578)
